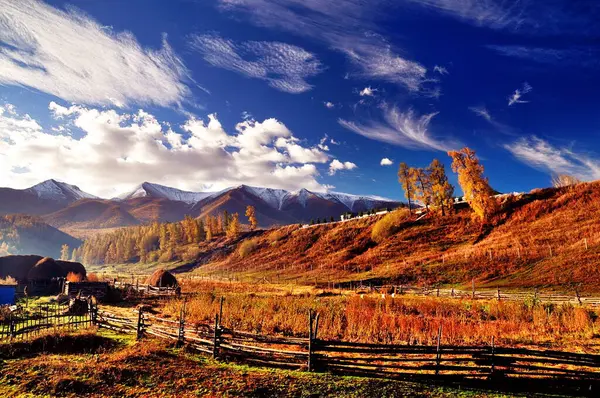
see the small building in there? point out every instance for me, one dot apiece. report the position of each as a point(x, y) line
point(87, 289)
point(7, 294)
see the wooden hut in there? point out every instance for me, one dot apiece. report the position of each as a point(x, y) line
point(162, 278)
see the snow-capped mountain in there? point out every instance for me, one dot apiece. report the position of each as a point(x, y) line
point(59, 191)
point(151, 190)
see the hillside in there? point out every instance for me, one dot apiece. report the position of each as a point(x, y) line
point(539, 239)
point(21, 234)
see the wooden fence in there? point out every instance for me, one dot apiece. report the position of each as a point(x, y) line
point(21, 323)
point(487, 294)
point(147, 290)
point(352, 358)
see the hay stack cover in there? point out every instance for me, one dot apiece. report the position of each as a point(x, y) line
point(72, 266)
point(17, 266)
point(46, 269)
point(162, 278)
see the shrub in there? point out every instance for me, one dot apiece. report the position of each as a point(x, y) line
point(191, 253)
point(9, 280)
point(389, 224)
point(73, 277)
point(91, 277)
point(247, 247)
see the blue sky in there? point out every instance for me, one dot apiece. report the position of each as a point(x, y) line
point(308, 93)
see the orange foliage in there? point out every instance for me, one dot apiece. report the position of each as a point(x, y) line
point(73, 277)
point(92, 277)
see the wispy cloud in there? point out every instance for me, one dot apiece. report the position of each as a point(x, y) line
point(336, 166)
point(386, 162)
point(329, 104)
point(574, 56)
point(404, 129)
point(71, 56)
point(440, 69)
point(284, 66)
point(533, 17)
point(481, 111)
point(540, 154)
point(347, 26)
point(367, 92)
point(515, 98)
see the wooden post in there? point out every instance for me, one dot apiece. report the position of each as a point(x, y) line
point(473, 287)
point(216, 337)
point(452, 293)
point(498, 289)
point(181, 335)
point(493, 355)
point(519, 252)
point(550, 247)
point(221, 310)
point(140, 326)
point(578, 296)
point(438, 291)
point(438, 356)
point(585, 242)
point(310, 339)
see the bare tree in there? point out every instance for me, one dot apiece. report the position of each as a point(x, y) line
point(564, 180)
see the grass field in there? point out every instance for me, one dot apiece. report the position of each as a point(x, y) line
point(105, 364)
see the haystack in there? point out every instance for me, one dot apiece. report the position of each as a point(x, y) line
point(162, 278)
point(46, 269)
point(72, 266)
point(17, 266)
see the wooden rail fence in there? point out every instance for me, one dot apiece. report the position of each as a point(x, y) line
point(21, 323)
point(353, 358)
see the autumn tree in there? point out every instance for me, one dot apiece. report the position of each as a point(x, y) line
point(64, 252)
point(251, 214)
point(476, 187)
point(234, 227)
point(406, 179)
point(564, 180)
point(441, 189)
point(421, 186)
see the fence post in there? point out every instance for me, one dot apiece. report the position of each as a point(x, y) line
point(473, 287)
point(438, 356)
point(493, 355)
point(585, 241)
point(216, 338)
point(498, 289)
point(181, 336)
point(140, 323)
point(310, 340)
point(578, 296)
point(12, 328)
point(221, 309)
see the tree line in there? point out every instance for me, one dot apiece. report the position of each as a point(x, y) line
point(157, 241)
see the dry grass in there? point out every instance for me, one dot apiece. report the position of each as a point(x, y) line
point(389, 224)
point(92, 277)
point(9, 280)
point(538, 239)
point(399, 320)
point(247, 247)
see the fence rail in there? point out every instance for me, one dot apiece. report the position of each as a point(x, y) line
point(148, 290)
point(23, 322)
point(344, 357)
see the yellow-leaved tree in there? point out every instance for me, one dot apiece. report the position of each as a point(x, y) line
point(476, 187)
point(251, 214)
point(441, 189)
point(407, 180)
point(234, 227)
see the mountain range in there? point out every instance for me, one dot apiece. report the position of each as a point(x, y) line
point(66, 206)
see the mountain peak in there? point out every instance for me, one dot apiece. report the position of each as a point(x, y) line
point(153, 190)
point(59, 191)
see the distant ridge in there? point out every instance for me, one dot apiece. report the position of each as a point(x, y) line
point(66, 206)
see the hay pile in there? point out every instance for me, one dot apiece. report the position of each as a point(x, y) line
point(72, 266)
point(46, 269)
point(162, 278)
point(17, 266)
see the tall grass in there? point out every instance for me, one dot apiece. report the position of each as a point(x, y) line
point(399, 320)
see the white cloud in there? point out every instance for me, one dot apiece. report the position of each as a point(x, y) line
point(515, 98)
point(481, 111)
point(113, 151)
point(386, 162)
point(440, 69)
point(329, 105)
point(284, 66)
point(346, 26)
point(323, 143)
point(540, 154)
point(336, 166)
point(367, 92)
point(403, 129)
point(69, 55)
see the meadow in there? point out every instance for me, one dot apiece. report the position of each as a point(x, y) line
point(403, 319)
